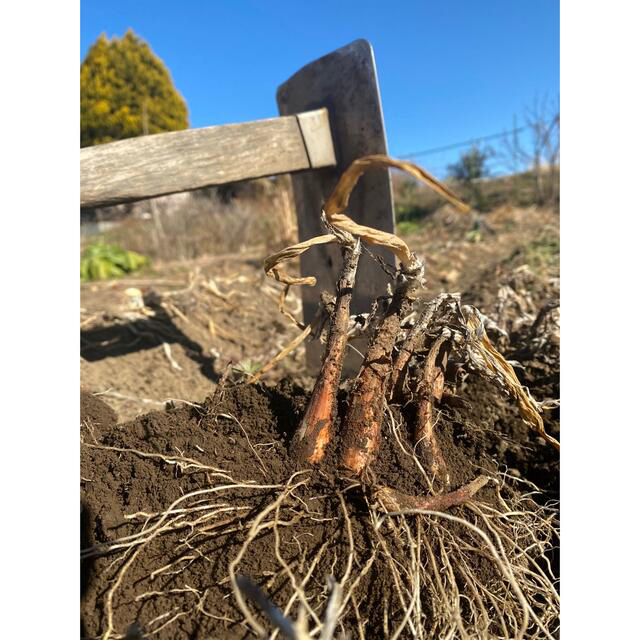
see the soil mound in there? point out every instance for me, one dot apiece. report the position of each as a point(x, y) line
point(177, 503)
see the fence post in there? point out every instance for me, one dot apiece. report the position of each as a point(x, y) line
point(346, 83)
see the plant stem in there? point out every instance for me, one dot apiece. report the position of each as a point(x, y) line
point(411, 343)
point(313, 434)
point(430, 389)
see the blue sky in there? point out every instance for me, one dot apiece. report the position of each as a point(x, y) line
point(448, 70)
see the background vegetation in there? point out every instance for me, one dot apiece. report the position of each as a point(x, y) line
point(126, 91)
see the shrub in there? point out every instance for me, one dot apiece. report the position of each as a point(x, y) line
point(102, 261)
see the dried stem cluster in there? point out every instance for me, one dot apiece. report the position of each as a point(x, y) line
point(313, 434)
point(363, 421)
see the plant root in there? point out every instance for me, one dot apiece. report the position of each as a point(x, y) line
point(430, 390)
point(486, 575)
point(363, 420)
point(394, 500)
point(429, 559)
point(439, 552)
point(312, 436)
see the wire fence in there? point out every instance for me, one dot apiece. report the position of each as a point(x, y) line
point(497, 162)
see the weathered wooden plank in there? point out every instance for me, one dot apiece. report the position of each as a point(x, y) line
point(164, 163)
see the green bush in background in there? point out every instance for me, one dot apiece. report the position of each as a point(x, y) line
point(467, 172)
point(102, 261)
point(126, 91)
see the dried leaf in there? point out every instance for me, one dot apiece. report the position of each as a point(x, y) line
point(341, 223)
point(487, 358)
point(339, 199)
point(291, 346)
point(272, 263)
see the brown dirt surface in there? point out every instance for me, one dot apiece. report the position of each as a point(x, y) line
point(95, 412)
point(211, 316)
point(122, 352)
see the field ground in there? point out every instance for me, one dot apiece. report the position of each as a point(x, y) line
point(162, 341)
point(223, 309)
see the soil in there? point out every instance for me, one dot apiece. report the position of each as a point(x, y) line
point(126, 352)
point(240, 328)
point(244, 431)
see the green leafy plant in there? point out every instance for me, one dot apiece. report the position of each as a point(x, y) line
point(474, 236)
point(102, 261)
point(408, 227)
point(247, 367)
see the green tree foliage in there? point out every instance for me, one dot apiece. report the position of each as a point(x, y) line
point(471, 166)
point(126, 91)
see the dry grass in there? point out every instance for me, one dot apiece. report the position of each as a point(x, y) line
point(189, 225)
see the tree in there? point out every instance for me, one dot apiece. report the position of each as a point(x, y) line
point(471, 167)
point(126, 91)
point(542, 154)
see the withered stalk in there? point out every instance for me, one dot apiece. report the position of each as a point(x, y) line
point(409, 346)
point(313, 434)
point(394, 500)
point(362, 422)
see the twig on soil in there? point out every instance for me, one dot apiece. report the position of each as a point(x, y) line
point(121, 396)
point(319, 319)
point(217, 331)
point(211, 286)
point(167, 352)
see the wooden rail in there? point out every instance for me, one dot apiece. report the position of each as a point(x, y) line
point(163, 163)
